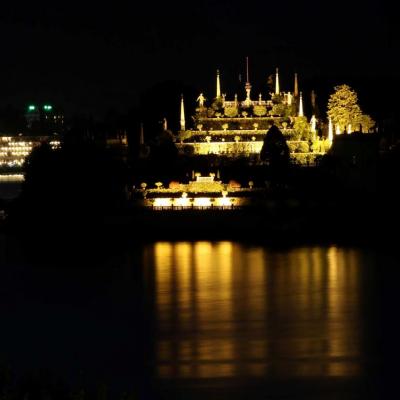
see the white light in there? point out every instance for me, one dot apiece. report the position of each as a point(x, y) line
point(162, 202)
point(202, 202)
point(224, 201)
point(330, 130)
point(182, 202)
point(313, 124)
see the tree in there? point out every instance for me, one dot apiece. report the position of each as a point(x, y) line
point(83, 181)
point(366, 123)
point(275, 150)
point(302, 128)
point(163, 149)
point(343, 107)
point(231, 112)
point(275, 153)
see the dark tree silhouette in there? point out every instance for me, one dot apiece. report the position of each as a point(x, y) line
point(275, 150)
point(162, 161)
point(275, 153)
point(163, 148)
point(70, 184)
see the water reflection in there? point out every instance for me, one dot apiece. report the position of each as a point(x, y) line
point(226, 310)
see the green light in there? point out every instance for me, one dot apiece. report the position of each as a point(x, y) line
point(47, 107)
point(31, 108)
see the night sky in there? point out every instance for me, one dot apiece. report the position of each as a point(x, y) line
point(90, 57)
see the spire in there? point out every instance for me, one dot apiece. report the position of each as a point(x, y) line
point(330, 130)
point(277, 91)
point(247, 86)
point(301, 112)
point(141, 139)
point(218, 86)
point(247, 70)
point(182, 114)
point(296, 86)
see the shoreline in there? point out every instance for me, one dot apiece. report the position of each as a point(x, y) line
point(278, 226)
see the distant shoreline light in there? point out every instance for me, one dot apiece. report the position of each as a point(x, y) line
point(197, 202)
point(12, 178)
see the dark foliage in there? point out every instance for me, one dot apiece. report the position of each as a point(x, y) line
point(275, 153)
point(75, 183)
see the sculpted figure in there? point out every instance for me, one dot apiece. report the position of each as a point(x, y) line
point(201, 99)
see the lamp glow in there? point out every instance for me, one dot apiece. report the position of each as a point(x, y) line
point(202, 202)
point(330, 130)
point(182, 202)
point(224, 202)
point(162, 202)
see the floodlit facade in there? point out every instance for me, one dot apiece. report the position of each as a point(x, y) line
point(204, 192)
point(237, 127)
point(14, 149)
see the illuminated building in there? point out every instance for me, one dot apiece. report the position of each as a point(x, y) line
point(14, 149)
point(44, 119)
point(202, 193)
point(233, 127)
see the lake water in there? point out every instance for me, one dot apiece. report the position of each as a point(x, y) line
point(201, 319)
point(10, 185)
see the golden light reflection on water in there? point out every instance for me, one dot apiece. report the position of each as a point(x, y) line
point(226, 310)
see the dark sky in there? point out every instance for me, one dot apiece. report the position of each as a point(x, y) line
point(91, 56)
